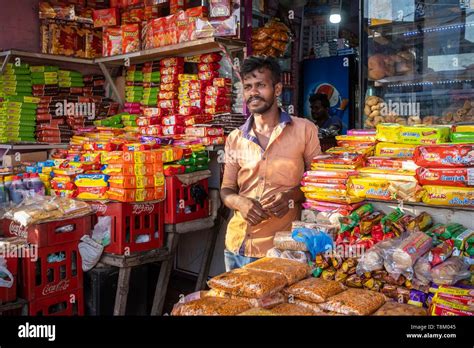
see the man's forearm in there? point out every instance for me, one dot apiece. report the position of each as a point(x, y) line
point(230, 198)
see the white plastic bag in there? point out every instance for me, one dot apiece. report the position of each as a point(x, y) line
point(90, 251)
point(3, 269)
point(102, 230)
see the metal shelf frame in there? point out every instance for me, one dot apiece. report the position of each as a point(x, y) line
point(105, 64)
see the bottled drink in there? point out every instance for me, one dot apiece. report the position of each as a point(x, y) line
point(3, 194)
point(17, 190)
point(36, 186)
point(8, 183)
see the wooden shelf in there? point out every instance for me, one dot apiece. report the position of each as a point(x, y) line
point(200, 46)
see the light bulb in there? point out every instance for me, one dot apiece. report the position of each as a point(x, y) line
point(335, 18)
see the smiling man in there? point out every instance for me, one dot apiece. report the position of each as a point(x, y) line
point(265, 161)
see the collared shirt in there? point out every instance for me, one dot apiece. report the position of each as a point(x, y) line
point(332, 121)
point(256, 173)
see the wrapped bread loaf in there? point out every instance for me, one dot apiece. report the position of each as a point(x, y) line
point(249, 283)
point(266, 302)
point(400, 309)
point(211, 306)
point(291, 309)
point(402, 258)
point(292, 270)
point(315, 290)
point(354, 302)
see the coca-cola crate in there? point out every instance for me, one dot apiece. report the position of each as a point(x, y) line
point(8, 294)
point(180, 205)
point(51, 233)
point(65, 303)
point(56, 269)
point(135, 227)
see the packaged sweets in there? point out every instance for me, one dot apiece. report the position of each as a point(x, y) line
point(131, 181)
point(444, 156)
point(174, 61)
point(388, 132)
point(395, 150)
point(460, 177)
point(210, 58)
point(92, 193)
point(91, 180)
point(424, 135)
point(449, 196)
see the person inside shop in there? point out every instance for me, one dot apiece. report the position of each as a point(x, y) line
point(264, 162)
point(320, 114)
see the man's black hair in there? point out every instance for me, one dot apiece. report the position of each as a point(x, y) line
point(256, 63)
point(323, 98)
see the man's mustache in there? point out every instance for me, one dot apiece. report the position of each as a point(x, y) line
point(251, 99)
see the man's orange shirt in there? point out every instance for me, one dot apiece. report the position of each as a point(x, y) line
point(257, 174)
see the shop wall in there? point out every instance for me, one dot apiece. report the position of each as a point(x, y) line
point(19, 25)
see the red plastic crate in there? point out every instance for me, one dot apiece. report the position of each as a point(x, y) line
point(66, 303)
point(9, 294)
point(41, 278)
point(51, 233)
point(179, 200)
point(131, 221)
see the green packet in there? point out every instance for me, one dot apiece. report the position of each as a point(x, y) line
point(20, 66)
point(17, 84)
point(18, 89)
point(21, 105)
point(462, 137)
point(15, 78)
point(44, 81)
point(70, 73)
point(21, 113)
point(461, 238)
point(150, 90)
point(195, 168)
point(128, 117)
point(69, 85)
point(44, 68)
point(44, 75)
point(17, 71)
point(129, 123)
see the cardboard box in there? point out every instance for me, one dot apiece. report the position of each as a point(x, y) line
point(16, 159)
point(106, 18)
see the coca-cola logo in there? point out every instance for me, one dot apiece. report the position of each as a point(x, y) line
point(51, 288)
point(18, 230)
point(142, 208)
point(99, 208)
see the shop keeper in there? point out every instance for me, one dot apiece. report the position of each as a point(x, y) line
point(265, 162)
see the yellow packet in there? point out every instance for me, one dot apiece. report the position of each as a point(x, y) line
point(388, 132)
point(333, 198)
point(159, 180)
point(370, 188)
point(395, 150)
point(450, 196)
point(394, 174)
point(464, 128)
point(361, 138)
point(424, 135)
